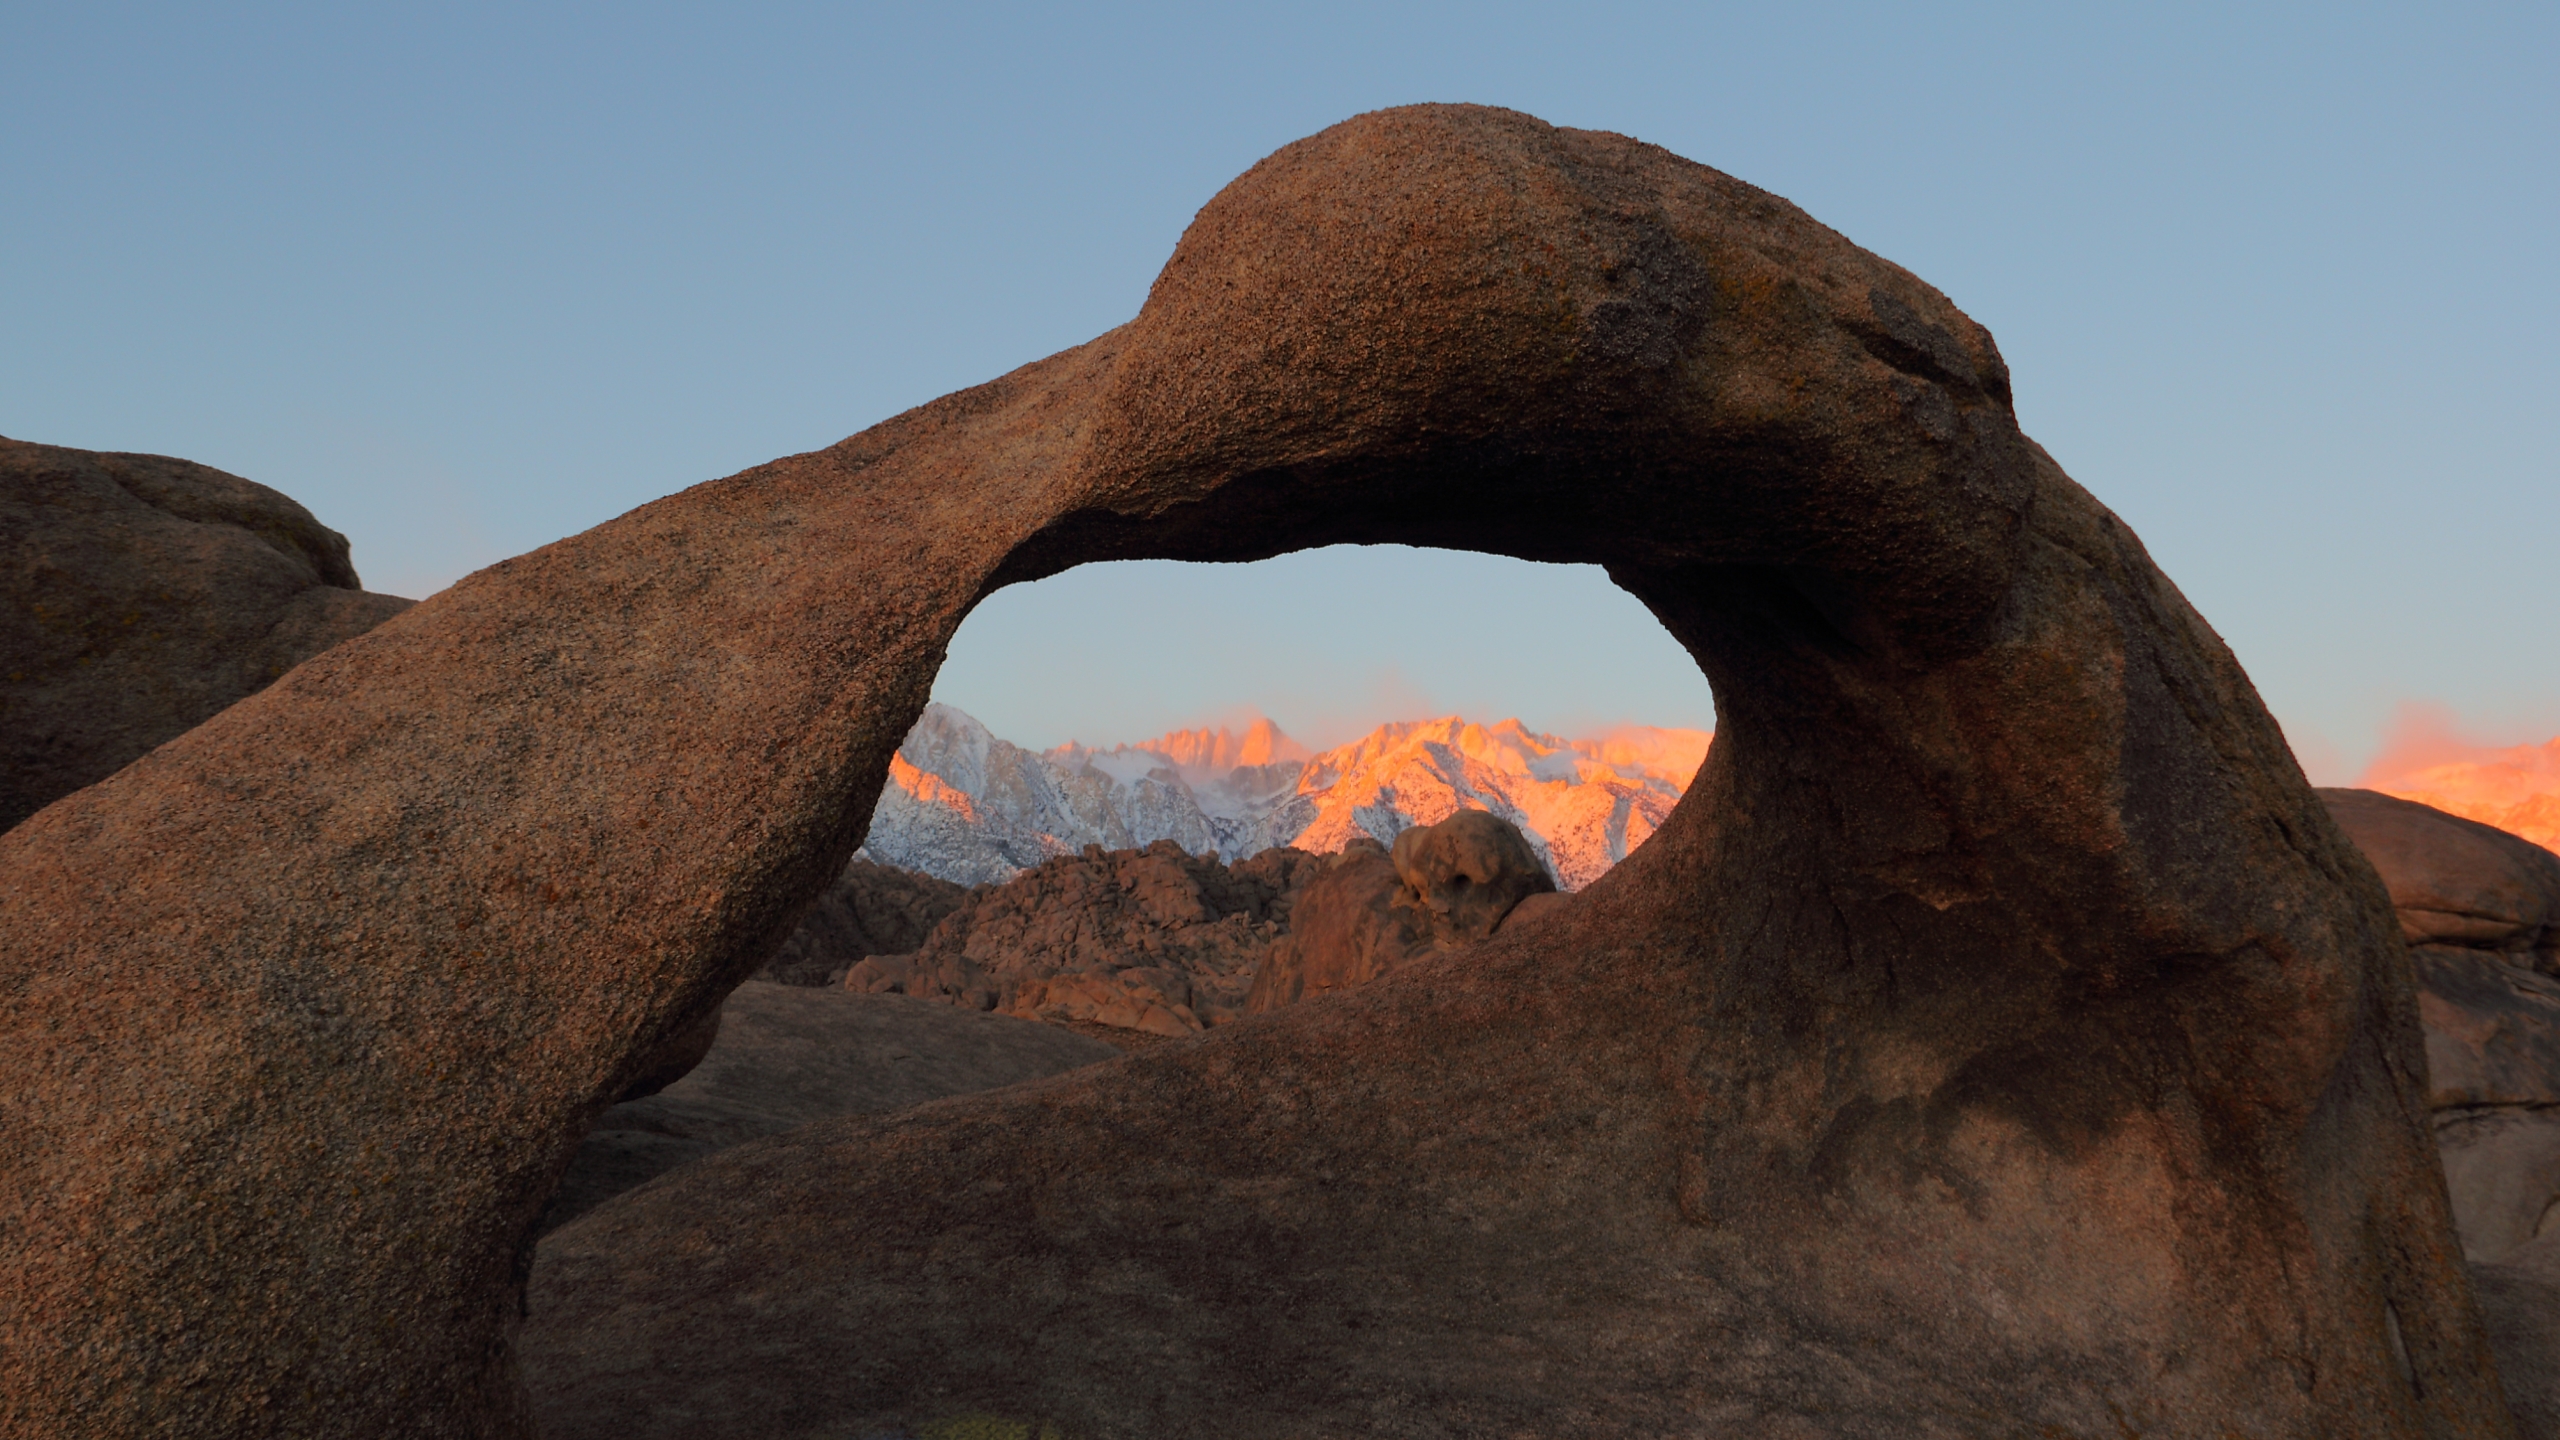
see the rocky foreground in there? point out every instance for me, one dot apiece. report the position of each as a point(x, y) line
point(2480, 909)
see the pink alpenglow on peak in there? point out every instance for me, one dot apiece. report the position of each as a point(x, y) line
point(992, 808)
point(1584, 805)
point(1222, 749)
point(2515, 788)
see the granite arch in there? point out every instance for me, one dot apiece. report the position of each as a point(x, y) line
point(1999, 1035)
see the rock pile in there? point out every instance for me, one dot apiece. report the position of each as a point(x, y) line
point(1368, 910)
point(1158, 940)
point(144, 594)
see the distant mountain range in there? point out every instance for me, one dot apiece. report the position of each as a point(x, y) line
point(2516, 789)
point(967, 806)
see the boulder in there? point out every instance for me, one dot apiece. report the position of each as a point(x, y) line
point(1466, 873)
point(145, 594)
point(1368, 910)
point(870, 910)
point(2481, 911)
point(2520, 1298)
point(2458, 882)
point(787, 1055)
point(1998, 1036)
point(1347, 929)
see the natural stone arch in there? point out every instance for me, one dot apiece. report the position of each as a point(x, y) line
point(1999, 1036)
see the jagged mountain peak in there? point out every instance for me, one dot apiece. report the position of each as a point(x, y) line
point(1197, 755)
point(970, 807)
point(1220, 750)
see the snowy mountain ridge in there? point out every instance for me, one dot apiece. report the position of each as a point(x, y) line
point(967, 806)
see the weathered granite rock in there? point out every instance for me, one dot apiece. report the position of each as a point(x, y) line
point(676, 1056)
point(787, 1055)
point(2493, 1060)
point(144, 594)
point(2458, 882)
point(1346, 930)
point(2520, 1296)
point(1466, 873)
point(1158, 940)
point(1998, 1037)
point(2481, 910)
point(870, 910)
point(1368, 910)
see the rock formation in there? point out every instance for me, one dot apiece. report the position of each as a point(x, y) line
point(787, 1055)
point(2481, 910)
point(145, 594)
point(1367, 911)
point(1999, 1036)
point(966, 806)
point(870, 910)
point(1154, 940)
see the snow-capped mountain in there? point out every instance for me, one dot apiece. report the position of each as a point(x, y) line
point(967, 806)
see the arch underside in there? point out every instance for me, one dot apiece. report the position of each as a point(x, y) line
point(1998, 1036)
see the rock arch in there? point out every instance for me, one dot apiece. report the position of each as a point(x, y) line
point(2000, 1036)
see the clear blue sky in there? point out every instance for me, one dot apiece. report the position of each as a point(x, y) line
point(2277, 282)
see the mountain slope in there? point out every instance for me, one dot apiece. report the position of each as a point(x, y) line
point(2516, 789)
point(969, 807)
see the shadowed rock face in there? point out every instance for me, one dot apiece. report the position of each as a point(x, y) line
point(869, 910)
point(1467, 872)
point(789, 1054)
point(1999, 1037)
point(144, 594)
point(2481, 910)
